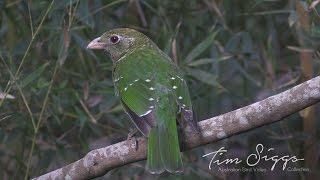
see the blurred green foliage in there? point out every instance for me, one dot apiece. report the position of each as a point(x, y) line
point(232, 52)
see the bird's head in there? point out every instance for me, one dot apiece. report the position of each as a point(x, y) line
point(118, 42)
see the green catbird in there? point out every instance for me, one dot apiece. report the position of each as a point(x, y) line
point(152, 91)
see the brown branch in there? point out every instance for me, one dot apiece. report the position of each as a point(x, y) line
point(100, 161)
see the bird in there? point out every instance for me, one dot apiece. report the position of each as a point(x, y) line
point(152, 91)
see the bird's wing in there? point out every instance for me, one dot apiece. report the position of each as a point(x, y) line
point(135, 77)
point(182, 96)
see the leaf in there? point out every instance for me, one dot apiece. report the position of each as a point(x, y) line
point(2, 4)
point(208, 60)
point(301, 49)
point(240, 43)
point(86, 90)
point(34, 75)
point(246, 74)
point(201, 47)
point(65, 43)
point(6, 96)
point(200, 62)
point(205, 77)
point(233, 43)
point(247, 46)
point(293, 18)
point(92, 101)
point(81, 42)
point(116, 109)
point(83, 14)
point(82, 118)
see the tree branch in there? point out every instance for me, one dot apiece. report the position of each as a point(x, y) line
point(100, 161)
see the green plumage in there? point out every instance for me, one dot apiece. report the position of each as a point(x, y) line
point(153, 92)
point(148, 82)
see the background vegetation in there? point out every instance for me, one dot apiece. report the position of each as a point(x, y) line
point(61, 101)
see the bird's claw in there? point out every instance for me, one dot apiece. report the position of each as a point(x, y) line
point(131, 133)
point(131, 137)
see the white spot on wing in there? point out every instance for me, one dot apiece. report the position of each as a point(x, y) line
point(116, 80)
point(151, 99)
point(148, 80)
point(174, 87)
point(173, 78)
point(180, 78)
point(146, 113)
point(180, 97)
point(126, 88)
point(151, 88)
point(151, 107)
point(130, 84)
point(136, 80)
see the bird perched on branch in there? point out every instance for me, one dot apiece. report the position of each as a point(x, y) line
point(152, 91)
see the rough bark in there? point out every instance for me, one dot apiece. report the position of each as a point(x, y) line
point(100, 161)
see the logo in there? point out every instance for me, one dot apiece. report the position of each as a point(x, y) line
point(253, 160)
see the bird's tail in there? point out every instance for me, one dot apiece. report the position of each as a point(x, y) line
point(163, 148)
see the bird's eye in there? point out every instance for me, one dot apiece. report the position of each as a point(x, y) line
point(114, 39)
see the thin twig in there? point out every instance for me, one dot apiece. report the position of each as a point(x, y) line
point(45, 102)
point(141, 13)
point(7, 90)
point(30, 18)
point(21, 93)
point(46, 99)
point(91, 117)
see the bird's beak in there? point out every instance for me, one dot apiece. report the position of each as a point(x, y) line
point(96, 44)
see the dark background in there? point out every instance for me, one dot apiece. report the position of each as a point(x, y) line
point(65, 105)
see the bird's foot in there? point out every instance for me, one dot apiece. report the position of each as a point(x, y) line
point(131, 133)
point(131, 137)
